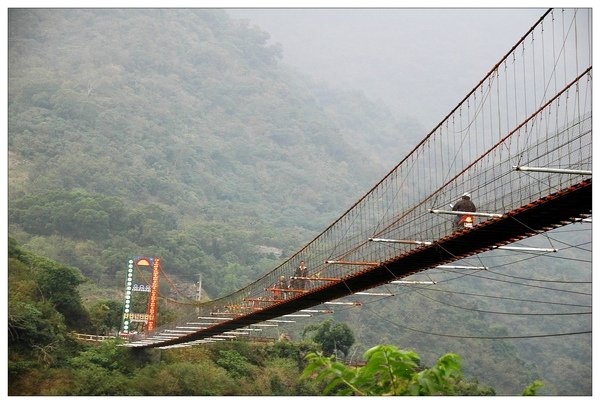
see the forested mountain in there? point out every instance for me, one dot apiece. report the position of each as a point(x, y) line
point(179, 134)
point(176, 133)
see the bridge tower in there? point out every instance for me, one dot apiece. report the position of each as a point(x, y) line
point(139, 311)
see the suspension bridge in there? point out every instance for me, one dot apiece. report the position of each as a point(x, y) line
point(520, 142)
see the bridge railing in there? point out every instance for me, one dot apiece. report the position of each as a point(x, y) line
point(92, 338)
point(532, 108)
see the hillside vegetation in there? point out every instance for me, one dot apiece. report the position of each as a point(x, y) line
point(44, 357)
point(175, 133)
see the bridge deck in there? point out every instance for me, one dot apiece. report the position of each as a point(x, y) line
point(541, 215)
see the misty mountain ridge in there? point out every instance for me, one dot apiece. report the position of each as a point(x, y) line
point(186, 113)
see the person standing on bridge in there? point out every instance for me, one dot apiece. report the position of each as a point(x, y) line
point(300, 272)
point(464, 204)
point(279, 289)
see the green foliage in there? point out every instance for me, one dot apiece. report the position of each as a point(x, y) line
point(43, 305)
point(108, 355)
point(75, 213)
point(293, 350)
point(440, 378)
point(57, 284)
point(105, 369)
point(532, 389)
point(94, 380)
point(185, 379)
point(42, 293)
point(388, 371)
point(235, 364)
point(280, 377)
point(35, 327)
point(190, 372)
point(105, 316)
point(13, 249)
point(332, 337)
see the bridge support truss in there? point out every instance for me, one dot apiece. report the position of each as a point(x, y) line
point(549, 212)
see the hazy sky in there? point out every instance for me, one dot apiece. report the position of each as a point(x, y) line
point(420, 62)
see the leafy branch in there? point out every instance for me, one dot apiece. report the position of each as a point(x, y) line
point(388, 371)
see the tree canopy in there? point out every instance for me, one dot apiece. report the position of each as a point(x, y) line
point(331, 336)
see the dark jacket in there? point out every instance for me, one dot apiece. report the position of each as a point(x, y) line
point(299, 283)
point(464, 205)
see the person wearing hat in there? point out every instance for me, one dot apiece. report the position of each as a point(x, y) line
point(464, 204)
point(280, 286)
